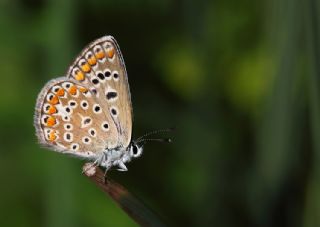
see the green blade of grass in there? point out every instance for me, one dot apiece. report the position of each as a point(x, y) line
point(312, 204)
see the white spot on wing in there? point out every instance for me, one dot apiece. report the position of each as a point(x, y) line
point(85, 121)
point(92, 132)
point(74, 146)
point(43, 119)
point(105, 126)
point(55, 89)
point(50, 96)
point(97, 109)
point(68, 137)
point(108, 90)
point(66, 85)
point(46, 108)
point(86, 140)
point(66, 118)
point(107, 74)
point(115, 75)
point(84, 104)
point(68, 127)
point(73, 104)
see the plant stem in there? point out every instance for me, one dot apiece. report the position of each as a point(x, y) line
point(128, 203)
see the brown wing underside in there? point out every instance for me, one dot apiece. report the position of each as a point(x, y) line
point(69, 119)
point(89, 110)
point(101, 68)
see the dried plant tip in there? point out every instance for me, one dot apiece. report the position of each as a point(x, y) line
point(89, 169)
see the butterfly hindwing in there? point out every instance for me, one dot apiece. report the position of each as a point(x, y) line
point(69, 119)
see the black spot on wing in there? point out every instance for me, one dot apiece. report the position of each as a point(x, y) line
point(111, 95)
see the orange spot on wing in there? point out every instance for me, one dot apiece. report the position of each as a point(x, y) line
point(79, 76)
point(83, 90)
point(92, 60)
point(52, 136)
point(100, 55)
point(111, 53)
point(51, 121)
point(54, 100)
point(52, 110)
point(60, 92)
point(73, 90)
point(86, 67)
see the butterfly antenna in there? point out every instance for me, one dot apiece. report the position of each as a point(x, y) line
point(162, 140)
point(154, 132)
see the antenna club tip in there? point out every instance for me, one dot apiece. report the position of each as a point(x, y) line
point(169, 140)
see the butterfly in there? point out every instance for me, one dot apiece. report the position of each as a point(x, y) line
point(88, 113)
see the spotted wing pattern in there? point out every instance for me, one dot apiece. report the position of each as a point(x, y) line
point(100, 68)
point(69, 119)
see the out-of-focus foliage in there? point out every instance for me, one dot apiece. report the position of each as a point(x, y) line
point(239, 79)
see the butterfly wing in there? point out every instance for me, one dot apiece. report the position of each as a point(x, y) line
point(100, 68)
point(69, 119)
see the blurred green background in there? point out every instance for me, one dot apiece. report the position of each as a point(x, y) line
point(240, 80)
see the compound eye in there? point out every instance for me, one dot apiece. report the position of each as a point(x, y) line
point(135, 151)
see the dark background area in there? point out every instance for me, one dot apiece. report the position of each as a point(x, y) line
point(239, 79)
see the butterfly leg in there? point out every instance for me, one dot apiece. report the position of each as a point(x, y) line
point(105, 171)
point(122, 167)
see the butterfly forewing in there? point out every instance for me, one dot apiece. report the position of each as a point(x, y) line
point(100, 68)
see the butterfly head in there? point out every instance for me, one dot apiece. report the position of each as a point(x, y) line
point(136, 146)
